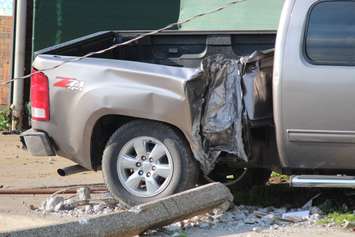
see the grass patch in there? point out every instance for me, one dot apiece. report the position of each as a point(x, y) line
point(5, 118)
point(337, 218)
point(181, 234)
point(338, 208)
point(277, 175)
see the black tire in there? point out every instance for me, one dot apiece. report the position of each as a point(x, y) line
point(185, 172)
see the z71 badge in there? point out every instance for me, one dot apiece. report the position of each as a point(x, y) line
point(69, 83)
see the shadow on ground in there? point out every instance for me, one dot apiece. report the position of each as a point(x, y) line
point(282, 195)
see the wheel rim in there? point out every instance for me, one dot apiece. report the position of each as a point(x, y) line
point(145, 166)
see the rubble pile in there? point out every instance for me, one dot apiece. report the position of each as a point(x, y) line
point(251, 218)
point(78, 205)
point(238, 219)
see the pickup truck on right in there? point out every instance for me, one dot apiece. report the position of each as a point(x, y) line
point(155, 120)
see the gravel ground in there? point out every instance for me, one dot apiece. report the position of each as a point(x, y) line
point(238, 221)
point(250, 221)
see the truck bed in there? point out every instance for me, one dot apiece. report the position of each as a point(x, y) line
point(188, 49)
point(172, 48)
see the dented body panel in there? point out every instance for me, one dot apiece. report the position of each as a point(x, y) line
point(111, 87)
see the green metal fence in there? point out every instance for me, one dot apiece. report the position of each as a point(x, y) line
point(248, 15)
point(56, 21)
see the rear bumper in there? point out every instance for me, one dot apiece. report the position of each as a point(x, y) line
point(37, 143)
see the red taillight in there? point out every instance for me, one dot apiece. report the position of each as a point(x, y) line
point(39, 96)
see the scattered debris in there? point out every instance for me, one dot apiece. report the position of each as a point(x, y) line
point(296, 216)
point(32, 207)
point(78, 205)
point(249, 218)
point(83, 194)
point(349, 225)
point(51, 203)
point(84, 205)
point(83, 221)
point(309, 204)
point(155, 214)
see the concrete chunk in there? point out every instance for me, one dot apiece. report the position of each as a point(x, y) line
point(83, 194)
point(52, 202)
point(161, 212)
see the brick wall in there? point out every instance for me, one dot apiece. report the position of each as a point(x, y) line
point(5, 44)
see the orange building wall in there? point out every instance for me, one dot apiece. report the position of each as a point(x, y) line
point(5, 45)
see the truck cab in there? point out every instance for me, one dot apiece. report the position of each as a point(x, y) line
point(313, 85)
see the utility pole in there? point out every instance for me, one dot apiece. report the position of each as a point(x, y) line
point(19, 64)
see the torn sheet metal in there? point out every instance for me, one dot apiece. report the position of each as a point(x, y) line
point(216, 100)
point(218, 109)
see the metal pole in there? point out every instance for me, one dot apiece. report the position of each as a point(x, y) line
point(19, 64)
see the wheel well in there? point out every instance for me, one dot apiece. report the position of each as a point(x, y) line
point(103, 130)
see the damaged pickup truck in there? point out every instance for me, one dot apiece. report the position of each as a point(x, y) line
point(159, 114)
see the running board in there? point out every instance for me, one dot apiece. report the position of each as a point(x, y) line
point(322, 181)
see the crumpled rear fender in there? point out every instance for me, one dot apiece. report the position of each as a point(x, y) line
point(111, 87)
point(163, 106)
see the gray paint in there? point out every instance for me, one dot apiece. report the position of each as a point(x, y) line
point(314, 114)
point(111, 87)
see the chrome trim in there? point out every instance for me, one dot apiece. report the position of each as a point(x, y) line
point(322, 181)
point(321, 136)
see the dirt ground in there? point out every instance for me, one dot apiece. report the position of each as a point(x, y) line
point(20, 170)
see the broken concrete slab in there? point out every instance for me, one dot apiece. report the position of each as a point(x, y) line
point(140, 218)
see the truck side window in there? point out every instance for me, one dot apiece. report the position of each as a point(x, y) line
point(330, 34)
